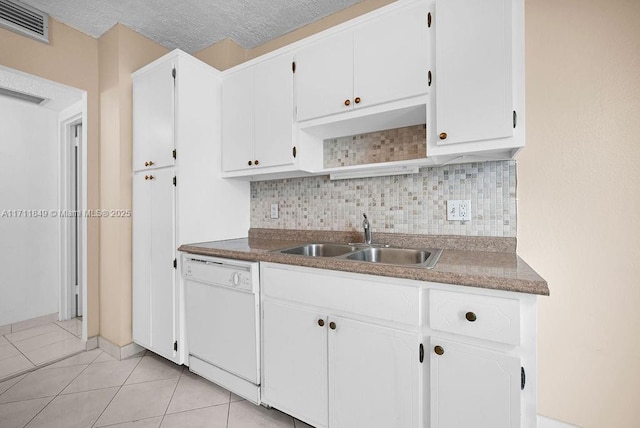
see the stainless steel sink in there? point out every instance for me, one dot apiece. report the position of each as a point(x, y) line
point(397, 256)
point(423, 257)
point(320, 250)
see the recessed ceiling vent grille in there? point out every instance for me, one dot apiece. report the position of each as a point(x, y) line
point(22, 96)
point(23, 19)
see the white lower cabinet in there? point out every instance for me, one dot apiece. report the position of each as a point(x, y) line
point(443, 356)
point(473, 387)
point(333, 371)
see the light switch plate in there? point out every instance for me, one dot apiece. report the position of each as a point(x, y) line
point(459, 209)
point(274, 210)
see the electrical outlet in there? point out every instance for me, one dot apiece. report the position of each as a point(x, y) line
point(458, 210)
point(274, 210)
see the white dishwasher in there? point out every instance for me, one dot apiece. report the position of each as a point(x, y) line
point(222, 311)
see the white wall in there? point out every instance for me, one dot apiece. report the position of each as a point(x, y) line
point(29, 247)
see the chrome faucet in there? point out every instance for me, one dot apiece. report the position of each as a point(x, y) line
point(367, 230)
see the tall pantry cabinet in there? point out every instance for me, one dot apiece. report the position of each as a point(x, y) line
point(178, 193)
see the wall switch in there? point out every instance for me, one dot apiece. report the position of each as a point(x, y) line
point(459, 210)
point(274, 210)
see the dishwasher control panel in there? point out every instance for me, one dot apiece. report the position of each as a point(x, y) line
point(227, 273)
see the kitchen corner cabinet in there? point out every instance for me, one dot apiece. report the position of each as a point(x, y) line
point(257, 118)
point(479, 78)
point(376, 62)
point(176, 191)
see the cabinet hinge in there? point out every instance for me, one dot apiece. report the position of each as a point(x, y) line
point(421, 352)
point(174, 180)
point(175, 346)
point(295, 151)
point(523, 378)
point(293, 66)
point(174, 153)
point(515, 118)
point(175, 263)
point(429, 78)
point(173, 72)
point(429, 19)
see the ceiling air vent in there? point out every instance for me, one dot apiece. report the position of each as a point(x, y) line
point(22, 96)
point(23, 19)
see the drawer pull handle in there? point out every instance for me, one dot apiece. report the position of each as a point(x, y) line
point(470, 316)
point(332, 325)
point(249, 163)
point(357, 100)
point(443, 135)
point(257, 162)
point(321, 322)
point(438, 350)
point(347, 102)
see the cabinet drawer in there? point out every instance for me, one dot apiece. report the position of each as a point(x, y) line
point(484, 317)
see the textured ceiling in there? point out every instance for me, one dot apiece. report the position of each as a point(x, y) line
point(192, 25)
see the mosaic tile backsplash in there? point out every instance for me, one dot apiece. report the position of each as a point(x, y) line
point(375, 147)
point(414, 203)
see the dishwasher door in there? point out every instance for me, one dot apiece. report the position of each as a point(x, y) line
point(222, 316)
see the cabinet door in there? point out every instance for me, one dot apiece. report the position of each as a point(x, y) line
point(373, 376)
point(238, 121)
point(473, 387)
point(473, 78)
point(141, 259)
point(294, 349)
point(324, 77)
point(274, 111)
point(153, 118)
point(163, 253)
point(390, 57)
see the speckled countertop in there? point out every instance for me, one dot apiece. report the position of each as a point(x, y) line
point(470, 261)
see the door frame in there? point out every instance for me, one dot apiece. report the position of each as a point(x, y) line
point(74, 115)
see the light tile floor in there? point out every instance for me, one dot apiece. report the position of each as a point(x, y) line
point(25, 350)
point(92, 389)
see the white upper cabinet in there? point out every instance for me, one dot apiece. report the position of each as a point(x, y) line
point(237, 121)
point(379, 61)
point(324, 77)
point(257, 115)
point(474, 70)
point(153, 109)
point(390, 57)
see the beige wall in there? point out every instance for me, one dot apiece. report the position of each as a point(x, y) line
point(579, 205)
point(227, 53)
point(122, 51)
point(70, 58)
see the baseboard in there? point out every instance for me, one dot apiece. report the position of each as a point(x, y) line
point(30, 323)
point(90, 343)
point(119, 352)
point(545, 422)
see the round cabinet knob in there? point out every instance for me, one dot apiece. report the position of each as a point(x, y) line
point(438, 350)
point(470, 316)
point(443, 135)
point(249, 163)
point(347, 102)
point(151, 177)
point(332, 325)
point(257, 162)
point(146, 177)
point(321, 322)
point(151, 163)
point(357, 100)
point(146, 164)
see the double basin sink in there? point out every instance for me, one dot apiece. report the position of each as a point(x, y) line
point(424, 257)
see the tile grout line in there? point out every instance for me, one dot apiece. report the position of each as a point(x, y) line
point(117, 392)
point(55, 396)
point(17, 373)
point(172, 395)
point(228, 410)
